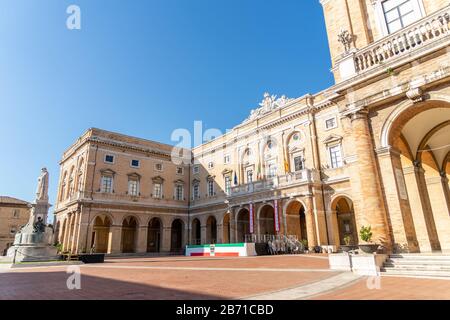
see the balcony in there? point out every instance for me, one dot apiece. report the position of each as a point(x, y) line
point(278, 182)
point(426, 34)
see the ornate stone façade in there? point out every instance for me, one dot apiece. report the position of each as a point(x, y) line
point(373, 149)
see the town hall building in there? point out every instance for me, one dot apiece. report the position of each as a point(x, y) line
point(371, 150)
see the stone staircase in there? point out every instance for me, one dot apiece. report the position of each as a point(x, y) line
point(418, 265)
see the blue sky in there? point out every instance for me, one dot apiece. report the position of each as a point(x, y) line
point(144, 68)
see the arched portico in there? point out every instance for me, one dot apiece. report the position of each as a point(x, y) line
point(266, 220)
point(196, 232)
point(211, 230)
point(416, 186)
point(101, 234)
point(177, 235)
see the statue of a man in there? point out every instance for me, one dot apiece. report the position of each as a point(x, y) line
point(42, 188)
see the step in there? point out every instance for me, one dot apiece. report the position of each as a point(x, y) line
point(421, 257)
point(417, 267)
point(441, 274)
point(418, 262)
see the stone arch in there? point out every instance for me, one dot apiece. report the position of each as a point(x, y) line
point(196, 232)
point(130, 225)
point(405, 111)
point(266, 219)
point(343, 220)
point(416, 131)
point(62, 192)
point(154, 234)
point(211, 230)
point(177, 235)
point(296, 219)
point(242, 223)
point(71, 182)
point(101, 229)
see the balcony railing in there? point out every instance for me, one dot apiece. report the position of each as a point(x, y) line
point(425, 31)
point(304, 176)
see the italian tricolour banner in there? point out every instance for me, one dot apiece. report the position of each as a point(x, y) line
point(251, 219)
point(277, 221)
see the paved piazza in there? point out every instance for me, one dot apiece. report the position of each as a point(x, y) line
point(271, 278)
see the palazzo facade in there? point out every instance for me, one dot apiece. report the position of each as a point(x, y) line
point(372, 150)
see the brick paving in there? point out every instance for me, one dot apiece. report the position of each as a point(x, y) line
point(205, 278)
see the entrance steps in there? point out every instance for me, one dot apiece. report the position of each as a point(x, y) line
point(418, 265)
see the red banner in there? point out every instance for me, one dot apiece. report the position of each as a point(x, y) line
point(276, 218)
point(251, 219)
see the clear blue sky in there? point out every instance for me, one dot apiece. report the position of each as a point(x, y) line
point(144, 68)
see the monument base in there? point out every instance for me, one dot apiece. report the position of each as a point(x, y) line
point(33, 253)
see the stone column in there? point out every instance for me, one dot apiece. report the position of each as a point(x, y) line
point(185, 235)
point(365, 182)
point(115, 240)
point(310, 224)
point(220, 232)
point(141, 245)
point(401, 218)
point(440, 208)
point(73, 238)
point(203, 235)
point(424, 195)
point(233, 226)
point(66, 243)
point(334, 234)
point(166, 239)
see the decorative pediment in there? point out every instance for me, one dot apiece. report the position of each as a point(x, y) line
point(158, 179)
point(269, 103)
point(134, 175)
point(195, 181)
point(332, 139)
point(210, 178)
point(227, 171)
point(107, 172)
point(178, 181)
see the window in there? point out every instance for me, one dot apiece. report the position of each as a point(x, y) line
point(179, 193)
point(211, 165)
point(196, 191)
point(226, 159)
point(109, 158)
point(299, 163)
point(228, 185)
point(159, 167)
point(400, 13)
point(133, 187)
point(336, 156)
point(13, 230)
point(16, 213)
point(135, 163)
point(196, 169)
point(210, 188)
point(106, 184)
point(331, 123)
point(271, 170)
point(157, 190)
point(180, 170)
point(249, 176)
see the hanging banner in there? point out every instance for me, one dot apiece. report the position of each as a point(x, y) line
point(276, 219)
point(251, 219)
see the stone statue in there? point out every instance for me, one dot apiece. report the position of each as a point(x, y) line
point(34, 240)
point(42, 188)
point(346, 39)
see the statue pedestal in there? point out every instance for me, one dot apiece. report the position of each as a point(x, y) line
point(32, 246)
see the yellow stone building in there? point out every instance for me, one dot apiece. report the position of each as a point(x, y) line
point(372, 150)
point(14, 213)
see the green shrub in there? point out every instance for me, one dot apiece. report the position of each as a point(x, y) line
point(366, 233)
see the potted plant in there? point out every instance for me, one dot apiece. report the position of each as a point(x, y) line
point(366, 235)
point(347, 247)
point(304, 242)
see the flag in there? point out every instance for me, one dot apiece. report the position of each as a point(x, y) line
point(259, 171)
point(287, 169)
point(235, 179)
